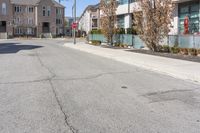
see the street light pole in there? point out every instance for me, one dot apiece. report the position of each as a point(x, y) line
point(74, 21)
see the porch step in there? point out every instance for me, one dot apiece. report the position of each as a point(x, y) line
point(46, 35)
point(4, 35)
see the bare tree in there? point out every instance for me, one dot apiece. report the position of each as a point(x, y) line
point(153, 21)
point(108, 18)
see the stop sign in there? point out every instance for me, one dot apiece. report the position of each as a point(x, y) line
point(74, 25)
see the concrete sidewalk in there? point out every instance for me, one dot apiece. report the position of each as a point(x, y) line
point(181, 69)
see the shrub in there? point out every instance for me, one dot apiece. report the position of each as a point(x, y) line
point(192, 51)
point(96, 43)
point(131, 31)
point(166, 48)
point(96, 31)
point(121, 45)
point(120, 31)
point(159, 48)
point(174, 50)
point(184, 51)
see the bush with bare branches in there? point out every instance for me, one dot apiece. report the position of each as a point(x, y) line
point(153, 21)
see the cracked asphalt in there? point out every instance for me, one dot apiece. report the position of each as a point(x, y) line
point(48, 88)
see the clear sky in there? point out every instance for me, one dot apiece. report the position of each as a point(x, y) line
point(81, 5)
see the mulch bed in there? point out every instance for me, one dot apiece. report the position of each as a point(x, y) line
point(161, 54)
point(168, 55)
point(112, 47)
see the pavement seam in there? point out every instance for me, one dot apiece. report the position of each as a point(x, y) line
point(23, 82)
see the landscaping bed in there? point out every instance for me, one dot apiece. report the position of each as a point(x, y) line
point(168, 55)
point(113, 47)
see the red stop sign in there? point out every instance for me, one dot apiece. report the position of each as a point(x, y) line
point(74, 25)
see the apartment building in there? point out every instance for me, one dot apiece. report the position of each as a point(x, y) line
point(190, 8)
point(183, 8)
point(31, 17)
point(125, 9)
point(90, 18)
point(124, 13)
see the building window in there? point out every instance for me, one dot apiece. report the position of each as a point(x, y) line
point(58, 21)
point(131, 1)
point(18, 9)
point(58, 11)
point(30, 21)
point(44, 11)
point(48, 11)
point(30, 31)
point(18, 31)
point(30, 9)
point(17, 20)
point(120, 21)
point(94, 23)
point(190, 9)
point(4, 8)
point(122, 2)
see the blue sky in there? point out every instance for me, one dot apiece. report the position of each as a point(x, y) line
point(81, 5)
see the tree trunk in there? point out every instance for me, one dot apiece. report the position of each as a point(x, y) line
point(111, 39)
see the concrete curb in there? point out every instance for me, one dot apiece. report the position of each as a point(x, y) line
point(185, 70)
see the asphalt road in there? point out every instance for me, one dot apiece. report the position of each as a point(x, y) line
point(47, 88)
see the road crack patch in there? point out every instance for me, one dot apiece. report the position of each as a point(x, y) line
point(72, 129)
point(94, 76)
point(53, 75)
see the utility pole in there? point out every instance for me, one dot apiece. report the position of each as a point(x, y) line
point(74, 21)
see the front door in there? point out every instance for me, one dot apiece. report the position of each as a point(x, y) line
point(45, 27)
point(2, 26)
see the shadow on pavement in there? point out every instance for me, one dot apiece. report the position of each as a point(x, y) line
point(8, 48)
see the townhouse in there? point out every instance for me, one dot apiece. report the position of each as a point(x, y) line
point(5, 18)
point(31, 18)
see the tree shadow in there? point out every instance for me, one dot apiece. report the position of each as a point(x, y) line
point(9, 48)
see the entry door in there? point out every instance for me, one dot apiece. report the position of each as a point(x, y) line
point(2, 26)
point(46, 27)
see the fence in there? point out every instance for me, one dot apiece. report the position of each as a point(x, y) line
point(183, 41)
point(128, 39)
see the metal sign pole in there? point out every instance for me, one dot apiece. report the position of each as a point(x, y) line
point(74, 21)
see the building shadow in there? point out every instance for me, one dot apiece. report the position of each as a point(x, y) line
point(9, 48)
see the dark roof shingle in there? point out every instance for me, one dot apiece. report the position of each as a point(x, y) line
point(33, 2)
point(25, 2)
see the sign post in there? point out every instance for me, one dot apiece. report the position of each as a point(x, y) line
point(74, 24)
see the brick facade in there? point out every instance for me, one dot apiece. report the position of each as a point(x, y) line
point(31, 17)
